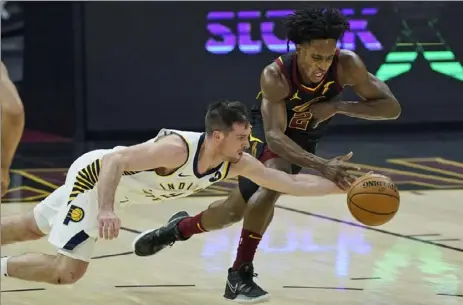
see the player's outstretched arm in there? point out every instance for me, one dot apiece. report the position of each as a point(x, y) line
point(168, 152)
point(12, 127)
point(296, 185)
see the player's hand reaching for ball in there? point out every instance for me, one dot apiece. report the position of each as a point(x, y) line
point(108, 224)
point(336, 171)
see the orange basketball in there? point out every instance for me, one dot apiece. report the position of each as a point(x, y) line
point(373, 199)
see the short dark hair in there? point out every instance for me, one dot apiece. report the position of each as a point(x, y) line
point(222, 114)
point(314, 22)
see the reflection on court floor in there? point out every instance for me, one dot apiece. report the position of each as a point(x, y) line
point(313, 253)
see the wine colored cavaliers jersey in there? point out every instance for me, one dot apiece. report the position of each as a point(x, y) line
point(300, 98)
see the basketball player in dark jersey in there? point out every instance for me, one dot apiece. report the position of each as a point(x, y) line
point(300, 93)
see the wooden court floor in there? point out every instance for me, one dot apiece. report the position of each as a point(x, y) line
point(313, 253)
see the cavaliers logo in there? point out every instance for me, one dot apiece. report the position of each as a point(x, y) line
point(75, 214)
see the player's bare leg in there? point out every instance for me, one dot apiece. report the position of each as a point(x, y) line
point(181, 226)
point(240, 285)
point(17, 228)
point(257, 217)
point(63, 268)
point(39, 267)
point(259, 212)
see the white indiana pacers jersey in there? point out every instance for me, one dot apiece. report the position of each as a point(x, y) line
point(149, 187)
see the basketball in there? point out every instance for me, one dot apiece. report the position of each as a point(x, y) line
point(373, 199)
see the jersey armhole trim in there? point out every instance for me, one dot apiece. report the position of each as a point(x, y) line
point(282, 68)
point(227, 170)
point(188, 149)
point(335, 71)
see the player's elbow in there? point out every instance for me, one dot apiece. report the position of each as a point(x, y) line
point(114, 159)
point(13, 113)
point(393, 108)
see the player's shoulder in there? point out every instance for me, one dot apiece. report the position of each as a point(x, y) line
point(349, 60)
point(349, 64)
point(273, 81)
point(272, 71)
point(174, 144)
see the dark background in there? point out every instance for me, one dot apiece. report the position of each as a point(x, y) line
point(126, 69)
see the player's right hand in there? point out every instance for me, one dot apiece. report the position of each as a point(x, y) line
point(336, 170)
point(108, 224)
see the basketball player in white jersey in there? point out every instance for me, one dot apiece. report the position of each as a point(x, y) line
point(174, 164)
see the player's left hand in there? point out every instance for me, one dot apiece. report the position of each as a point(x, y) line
point(108, 224)
point(321, 112)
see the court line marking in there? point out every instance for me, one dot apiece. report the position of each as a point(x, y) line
point(23, 290)
point(328, 288)
point(423, 235)
point(112, 255)
point(353, 224)
point(153, 286)
point(445, 239)
point(451, 295)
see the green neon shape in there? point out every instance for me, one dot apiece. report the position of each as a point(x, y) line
point(452, 69)
point(401, 56)
point(388, 71)
point(438, 55)
point(398, 63)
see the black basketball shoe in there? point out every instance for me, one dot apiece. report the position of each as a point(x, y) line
point(152, 241)
point(241, 287)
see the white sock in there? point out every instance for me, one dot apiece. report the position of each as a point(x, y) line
point(3, 266)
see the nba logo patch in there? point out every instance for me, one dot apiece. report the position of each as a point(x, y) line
point(75, 214)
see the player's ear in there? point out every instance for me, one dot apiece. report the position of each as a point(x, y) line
point(217, 135)
point(298, 49)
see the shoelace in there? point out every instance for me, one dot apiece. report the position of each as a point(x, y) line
point(248, 279)
point(164, 237)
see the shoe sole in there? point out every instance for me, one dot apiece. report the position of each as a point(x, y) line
point(139, 236)
point(261, 299)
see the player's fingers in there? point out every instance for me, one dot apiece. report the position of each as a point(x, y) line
point(350, 167)
point(346, 156)
point(342, 184)
point(112, 229)
point(116, 232)
point(100, 229)
point(115, 228)
point(351, 179)
point(107, 229)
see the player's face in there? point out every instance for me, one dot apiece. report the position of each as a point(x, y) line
point(235, 142)
point(315, 58)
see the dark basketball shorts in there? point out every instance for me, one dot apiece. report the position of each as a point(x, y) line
point(259, 149)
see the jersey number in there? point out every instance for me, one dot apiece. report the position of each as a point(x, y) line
point(300, 120)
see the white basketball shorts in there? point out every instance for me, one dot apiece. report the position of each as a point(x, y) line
point(69, 214)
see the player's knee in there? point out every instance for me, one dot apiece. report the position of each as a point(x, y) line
point(67, 270)
point(235, 215)
point(264, 198)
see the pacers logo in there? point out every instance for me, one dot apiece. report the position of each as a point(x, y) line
point(75, 214)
